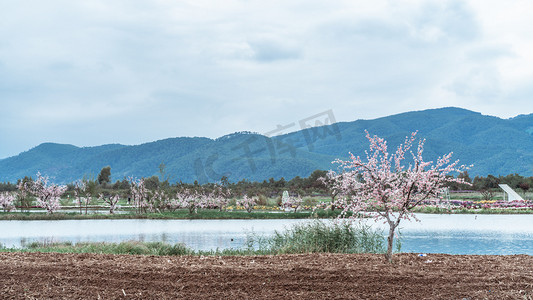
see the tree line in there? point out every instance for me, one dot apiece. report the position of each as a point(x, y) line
point(491, 182)
point(303, 186)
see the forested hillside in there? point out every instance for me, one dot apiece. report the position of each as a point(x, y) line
point(493, 145)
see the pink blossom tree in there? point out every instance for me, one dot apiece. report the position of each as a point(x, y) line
point(111, 200)
point(47, 194)
point(220, 197)
point(291, 202)
point(248, 203)
point(330, 182)
point(23, 191)
point(7, 201)
point(385, 185)
point(191, 200)
point(82, 195)
point(139, 195)
point(160, 199)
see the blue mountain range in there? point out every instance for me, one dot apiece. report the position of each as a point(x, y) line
point(493, 145)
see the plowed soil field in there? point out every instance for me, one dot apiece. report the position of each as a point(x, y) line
point(307, 276)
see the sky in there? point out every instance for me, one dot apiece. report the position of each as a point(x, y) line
point(129, 71)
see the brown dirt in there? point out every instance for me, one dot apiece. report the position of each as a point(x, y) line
point(308, 276)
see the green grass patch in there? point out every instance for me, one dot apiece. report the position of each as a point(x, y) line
point(492, 211)
point(130, 247)
point(178, 214)
point(479, 211)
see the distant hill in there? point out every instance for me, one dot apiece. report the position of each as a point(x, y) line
point(495, 146)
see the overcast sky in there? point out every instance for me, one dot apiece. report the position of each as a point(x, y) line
point(98, 71)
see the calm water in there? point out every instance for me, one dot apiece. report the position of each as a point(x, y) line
point(468, 234)
point(453, 234)
point(197, 234)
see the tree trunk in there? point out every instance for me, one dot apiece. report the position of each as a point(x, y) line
point(87, 203)
point(390, 242)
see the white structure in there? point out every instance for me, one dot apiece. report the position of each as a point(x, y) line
point(284, 199)
point(444, 198)
point(511, 194)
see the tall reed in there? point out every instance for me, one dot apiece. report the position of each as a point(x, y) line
point(314, 236)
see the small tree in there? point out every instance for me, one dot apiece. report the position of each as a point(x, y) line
point(139, 195)
point(105, 175)
point(191, 200)
point(160, 199)
point(23, 190)
point(7, 201)
point(384, 185)
point(82, 196)
point(292, 203)
point(47, 194)
point(220, 197)
point(248, 203)
point(330, 182)
point(112, 201)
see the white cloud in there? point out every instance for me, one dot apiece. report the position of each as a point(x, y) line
point(97, 72)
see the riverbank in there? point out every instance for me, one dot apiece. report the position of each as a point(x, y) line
point(305, 276)
point(210, 214)
point(205, 214)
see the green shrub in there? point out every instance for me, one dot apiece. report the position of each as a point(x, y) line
point(310, 201)
point(132, 248)
point(262, 200)
point(176, 249)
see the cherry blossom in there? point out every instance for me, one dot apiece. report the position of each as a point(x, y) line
point(220, 197)
point(7, 201)
point(47, 194)
point(248, 203)
point(82, 196)
point(386, 185)
point(290, 202)
point(139, 195)
point(191, 200)
point(112, 201)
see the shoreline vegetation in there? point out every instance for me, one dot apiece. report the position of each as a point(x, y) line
point(211, 214)
point(181, 214)
point(313, 236)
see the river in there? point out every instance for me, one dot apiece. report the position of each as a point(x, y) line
point(452, 234)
